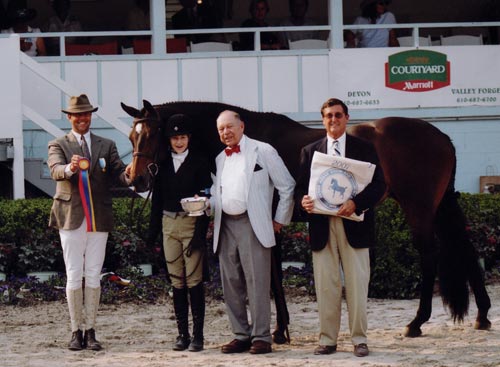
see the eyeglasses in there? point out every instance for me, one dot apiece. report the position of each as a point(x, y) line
point(337, 115)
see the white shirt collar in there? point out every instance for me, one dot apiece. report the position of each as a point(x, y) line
point(341, 141)
point(79, 136)
point(179, 158)
point(182, 155)
point(243, 142)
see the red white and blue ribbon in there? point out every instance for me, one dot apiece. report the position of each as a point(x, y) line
point(86, 193)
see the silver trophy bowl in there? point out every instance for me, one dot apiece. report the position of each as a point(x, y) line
point(194, 206)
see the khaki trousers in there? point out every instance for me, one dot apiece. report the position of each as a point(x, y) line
point(185, 271)
point(355, 264)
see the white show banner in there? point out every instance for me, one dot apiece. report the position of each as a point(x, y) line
point(445, 76)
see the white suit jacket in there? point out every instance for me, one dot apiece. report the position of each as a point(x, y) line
point(264, 170)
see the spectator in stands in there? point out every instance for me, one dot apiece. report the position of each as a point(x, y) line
point(297, 18)
point(20, 17)
point(62, 21)
point(374, 12)
point(268, 40)
point(196, 16)
point(138, 19)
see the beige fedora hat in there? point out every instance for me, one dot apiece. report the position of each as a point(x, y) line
point(79, 104)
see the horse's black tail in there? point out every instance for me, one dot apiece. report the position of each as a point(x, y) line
point(457, 257)
point(453, 265)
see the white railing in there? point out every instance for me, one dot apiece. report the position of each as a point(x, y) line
point(416, 31)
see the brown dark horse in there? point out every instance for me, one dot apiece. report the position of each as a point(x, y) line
point(419, 167)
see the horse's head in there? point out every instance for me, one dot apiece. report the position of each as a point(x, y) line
point(145, 138)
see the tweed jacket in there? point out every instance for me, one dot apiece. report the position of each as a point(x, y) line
point(67, 210)
point(359, 234)
point(264, 171)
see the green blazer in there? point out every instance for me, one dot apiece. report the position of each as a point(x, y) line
point(67, 210)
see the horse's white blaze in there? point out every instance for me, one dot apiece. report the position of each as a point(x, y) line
point(138, 128)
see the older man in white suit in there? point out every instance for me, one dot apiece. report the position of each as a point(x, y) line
point(248, 171)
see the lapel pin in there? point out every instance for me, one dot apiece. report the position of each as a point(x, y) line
point(102, 163)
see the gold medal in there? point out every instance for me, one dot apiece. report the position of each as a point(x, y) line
point(83, 164)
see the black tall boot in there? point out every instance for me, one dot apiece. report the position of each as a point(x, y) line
point(181, 309)
point(197, 298)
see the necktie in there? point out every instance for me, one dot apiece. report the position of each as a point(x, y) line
point(85, 148)
point(336, 148)
point(229, 151)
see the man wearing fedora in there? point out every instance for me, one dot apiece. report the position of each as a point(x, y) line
point(85, 166)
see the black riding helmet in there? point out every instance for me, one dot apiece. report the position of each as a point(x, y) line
point(178, 124)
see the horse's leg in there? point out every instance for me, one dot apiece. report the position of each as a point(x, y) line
point(281, 333)
point(483, 302)
point(423, 241)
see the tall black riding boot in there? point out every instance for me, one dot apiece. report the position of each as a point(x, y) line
point(181, 309)
point(197, 298)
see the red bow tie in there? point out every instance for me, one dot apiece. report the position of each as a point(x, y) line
point(235, 149)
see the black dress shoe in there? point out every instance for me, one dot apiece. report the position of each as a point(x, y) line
point(76, 342)
point(361, 350)
point(236, 346)
point(89, 340)
point(325, 349)
point(182, 342)
point(260, 347)
point(196, 344)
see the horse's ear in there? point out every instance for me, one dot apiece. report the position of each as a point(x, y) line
point(149, 107)
point(134, 112)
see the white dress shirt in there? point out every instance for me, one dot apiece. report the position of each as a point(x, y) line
point(78, 137)
point(234, 183)
point(341, 140)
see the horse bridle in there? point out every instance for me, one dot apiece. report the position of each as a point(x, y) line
point(152, 168)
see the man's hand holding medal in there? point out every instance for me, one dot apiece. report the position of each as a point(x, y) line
point(79, 162)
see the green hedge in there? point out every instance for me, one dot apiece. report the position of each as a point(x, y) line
point(27, 244)
point(396, 263)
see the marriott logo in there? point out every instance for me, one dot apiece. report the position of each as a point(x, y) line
point(417, 71)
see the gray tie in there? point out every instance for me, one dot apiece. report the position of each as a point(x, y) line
point(336, 149)
point(85, 148)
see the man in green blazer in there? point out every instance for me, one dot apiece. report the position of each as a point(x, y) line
point(85, 166)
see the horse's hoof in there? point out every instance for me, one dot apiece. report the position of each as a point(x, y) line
point(279, 337)
point(482, 325)
point(412, 332)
